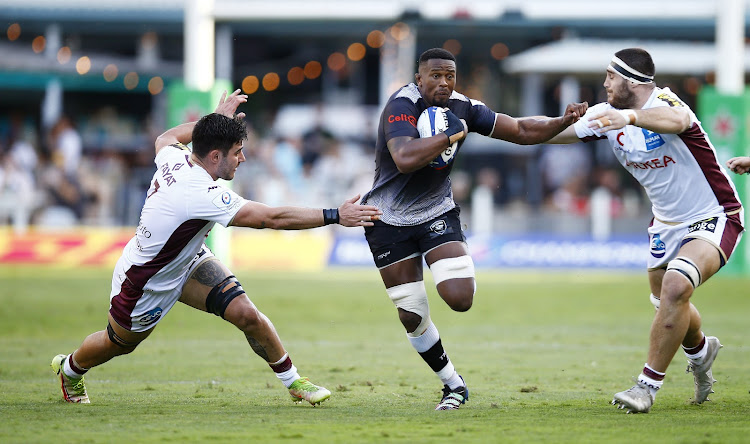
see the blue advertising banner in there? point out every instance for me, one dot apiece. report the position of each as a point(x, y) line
point(533, 251)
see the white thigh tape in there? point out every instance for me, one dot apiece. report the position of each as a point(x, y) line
point(452, 268)
point(687, 268)
point(654, 300)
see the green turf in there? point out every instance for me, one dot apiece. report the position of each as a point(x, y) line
point(542, 354)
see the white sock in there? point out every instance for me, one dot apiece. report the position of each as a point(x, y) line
point(424, 342)
point(652, 384)
point(68, 370)
point(698, 357)
point(289, 376)
point(449, 376)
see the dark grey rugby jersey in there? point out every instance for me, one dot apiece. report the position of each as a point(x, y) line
point(414, 198)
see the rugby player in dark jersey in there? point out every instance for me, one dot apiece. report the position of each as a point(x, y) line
point(420, 219)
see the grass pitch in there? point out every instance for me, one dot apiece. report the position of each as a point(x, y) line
point(541, 352)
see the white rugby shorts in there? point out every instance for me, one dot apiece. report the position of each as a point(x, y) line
point(722, 231)
point(147, 307)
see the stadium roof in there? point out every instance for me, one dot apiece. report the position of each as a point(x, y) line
point(591, 56)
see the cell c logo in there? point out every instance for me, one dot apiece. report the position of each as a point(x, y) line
point(620, 134)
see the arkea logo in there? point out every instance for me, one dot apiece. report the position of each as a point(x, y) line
point(704, 225)
point(653, 140)
point(150, 317)
point(658, 248)
point(438, 227)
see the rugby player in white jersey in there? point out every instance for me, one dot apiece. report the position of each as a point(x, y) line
point(698, 218)
point(167, 260)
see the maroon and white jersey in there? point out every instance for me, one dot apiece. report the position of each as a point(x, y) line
point(681, 173)
point(183, 204)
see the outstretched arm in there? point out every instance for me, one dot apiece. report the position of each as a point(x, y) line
point(258, 215)
point(533, 130)
point(184, 133)
point(662, 119)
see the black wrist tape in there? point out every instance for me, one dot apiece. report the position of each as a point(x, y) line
point(330, 216)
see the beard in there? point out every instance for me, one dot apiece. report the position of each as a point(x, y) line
point(441, 102)
point(623, 97)
point(226, 171)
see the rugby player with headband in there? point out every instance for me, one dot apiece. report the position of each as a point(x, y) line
point(698, 218)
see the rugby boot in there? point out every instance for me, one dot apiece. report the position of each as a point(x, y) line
point(303, 389)
point(702, 374)
point(73, 390)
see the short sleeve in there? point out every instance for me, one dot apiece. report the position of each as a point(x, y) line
point(481, 118)
point(219, 205)
point(399, 119)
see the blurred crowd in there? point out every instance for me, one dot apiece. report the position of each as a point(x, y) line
point(52, 177)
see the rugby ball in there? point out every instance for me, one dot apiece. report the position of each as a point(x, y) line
point(434, 121)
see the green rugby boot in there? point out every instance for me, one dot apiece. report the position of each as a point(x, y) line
point(303, 389)
point(73, 390)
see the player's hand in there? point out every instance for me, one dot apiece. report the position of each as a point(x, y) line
point(574, 111)
point(228, 105)
point(457, 128)
point(352, 214)
point(609, 120)
point(739, 165)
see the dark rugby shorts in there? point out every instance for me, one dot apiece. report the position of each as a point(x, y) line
point(390, 244)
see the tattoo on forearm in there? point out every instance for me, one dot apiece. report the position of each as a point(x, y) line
point(209, 273)
point(257, 348)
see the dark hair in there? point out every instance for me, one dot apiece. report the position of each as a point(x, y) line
point(435, 53)
point(638, 59)
point(217, 132)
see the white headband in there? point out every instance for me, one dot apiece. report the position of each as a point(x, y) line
point(629, 73)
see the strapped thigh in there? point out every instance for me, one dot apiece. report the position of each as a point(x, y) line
point(452, 268)
point(222, 294)
point(687, 269)
point(117, 340)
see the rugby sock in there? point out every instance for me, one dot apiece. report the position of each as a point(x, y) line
point(652, 379)
point(285, 370)
point(697, 353)
point(72, 369)
point(430, 348)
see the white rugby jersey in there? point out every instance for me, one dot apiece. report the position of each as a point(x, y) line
point(183, 204)
point(681, 173)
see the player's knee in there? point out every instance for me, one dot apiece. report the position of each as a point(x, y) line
point(409, 320)
point(462, 303)
point(411, 300)
point(247, 318)
point(222, 295)
point(458, 293)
